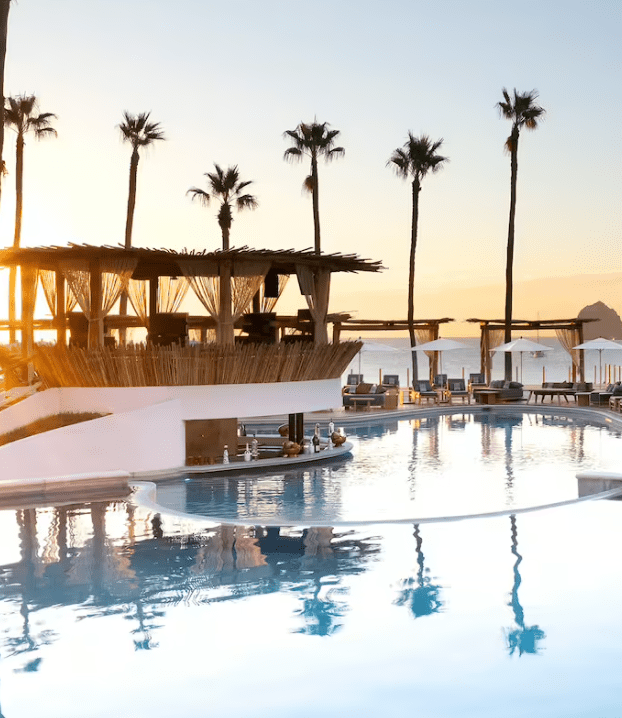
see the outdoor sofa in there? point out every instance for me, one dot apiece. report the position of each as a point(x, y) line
point(368, 395)
point(508, 390)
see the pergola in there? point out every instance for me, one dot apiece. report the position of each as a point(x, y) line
point(569, 333)
point(227, 283)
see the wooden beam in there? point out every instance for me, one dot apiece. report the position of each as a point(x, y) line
point(154, 282)
point(61, 317)
point(29, 295)
point(96, 324)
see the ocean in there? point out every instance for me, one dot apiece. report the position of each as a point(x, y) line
point(555, 365)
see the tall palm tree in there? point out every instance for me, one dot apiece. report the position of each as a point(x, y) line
point(226, 186)
point(522, 111)
point(21, 115)
point(139, 132)
point(313, 140)
point(414, 160)
point(4, 26)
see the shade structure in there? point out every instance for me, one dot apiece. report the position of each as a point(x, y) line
point(600, 344)
point(374, 347)
point(440, 345)
point(522, 345)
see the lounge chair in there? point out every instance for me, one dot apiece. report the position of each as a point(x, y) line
point(424, 390)
point(457, 389)
point(354, 379)
point(477, 380)
point(440, 381)
point(391, 380)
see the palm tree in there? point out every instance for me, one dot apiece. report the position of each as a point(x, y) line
point(4, 25)
point(21, 115)
point(314, 140)
point(522, 111)
point(226, 186)
point(139, 132)
point(414, 160)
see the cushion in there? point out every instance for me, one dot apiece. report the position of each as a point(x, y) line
point(514, 385)
point(372, 388)
point(381, 389)
point(497, 384)
point(363, 388)
point(617, 391)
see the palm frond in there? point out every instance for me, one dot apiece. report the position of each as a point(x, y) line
point(200, 195)
point(246, 201)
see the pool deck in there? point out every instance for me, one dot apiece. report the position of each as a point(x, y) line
point(348, 417)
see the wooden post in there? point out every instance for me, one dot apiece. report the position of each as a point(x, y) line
point(96, 323)
point(581, 353)
point(29, 293)
point(61, 317)
point(154, 283)
point(224, 328)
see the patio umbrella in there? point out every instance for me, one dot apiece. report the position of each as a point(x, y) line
point(599, 344)
point(522, 345)
point(374, 347)
point(440, 345)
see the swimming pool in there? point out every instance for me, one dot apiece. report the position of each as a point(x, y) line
point(435, 466)
point(110, 609)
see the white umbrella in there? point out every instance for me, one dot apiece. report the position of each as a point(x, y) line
point(522, 345)
point(599, 344)
point(374, 347)
point(440, 346)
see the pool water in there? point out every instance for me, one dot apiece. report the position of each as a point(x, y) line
point(432, 467)
point(112, 609)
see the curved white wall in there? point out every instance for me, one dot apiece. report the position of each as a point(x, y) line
point(147, 439)
point(228, 401)
point(145, 431)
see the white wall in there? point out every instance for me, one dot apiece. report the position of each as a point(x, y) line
point(229, 401)
point(147, 439)
point(146, 430)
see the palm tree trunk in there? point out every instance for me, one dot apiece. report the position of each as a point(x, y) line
point(225, 237)
point(131, 200)
point(129, 224)
point(4, 24)
point(316, 204)
point(411, 278)
point(19, 183)
point(509, 286)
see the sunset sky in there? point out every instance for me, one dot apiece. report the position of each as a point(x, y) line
point(226, 79)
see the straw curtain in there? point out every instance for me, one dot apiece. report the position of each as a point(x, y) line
point(490, 339)
point(316, 288)
point(267, 304)
point(569, 338)
point(116, 274)
point(246, 279)
point(48, 284)
point(422, 336)
point(137, 294)
point(171, 293)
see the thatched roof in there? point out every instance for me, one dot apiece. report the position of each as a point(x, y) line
point(164, 262)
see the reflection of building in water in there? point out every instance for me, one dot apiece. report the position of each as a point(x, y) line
point(141, 571)
point(304, 493)
point(521, 638)
point(419, 593)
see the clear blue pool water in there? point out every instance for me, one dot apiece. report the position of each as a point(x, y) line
point(109, 609)
point(425, 468)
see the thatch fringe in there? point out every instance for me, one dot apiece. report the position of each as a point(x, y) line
point(208, 364)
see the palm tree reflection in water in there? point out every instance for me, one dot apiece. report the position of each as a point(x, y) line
point(420, 594)
point(523, 639)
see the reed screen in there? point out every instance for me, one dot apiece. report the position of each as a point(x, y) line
point(208, 364)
